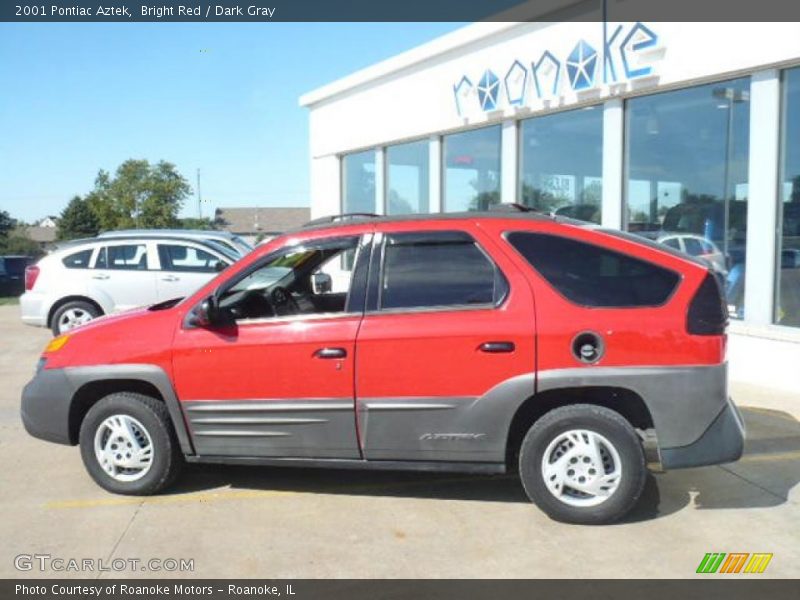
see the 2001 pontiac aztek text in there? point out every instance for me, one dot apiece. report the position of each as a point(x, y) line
point(478, 342)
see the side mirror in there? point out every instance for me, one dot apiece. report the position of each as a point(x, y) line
point(220, 266)
point(322, 282)
point(209, 314)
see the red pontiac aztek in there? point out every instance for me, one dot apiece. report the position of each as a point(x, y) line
point(479, 342)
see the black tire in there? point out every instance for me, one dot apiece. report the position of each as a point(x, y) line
point(80, 305)
point(166, 458)
point(616, 430)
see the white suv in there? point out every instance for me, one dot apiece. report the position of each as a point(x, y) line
point(83, 280)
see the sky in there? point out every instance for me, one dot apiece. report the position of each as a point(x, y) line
point(77, 98)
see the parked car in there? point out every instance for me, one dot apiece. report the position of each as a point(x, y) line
point(12, 274)
point(229, 240)
point(83, 280)
point(697, 246)
point(433, 356)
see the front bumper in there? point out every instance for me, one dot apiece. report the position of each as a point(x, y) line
point(722, 442)
point(45, 406)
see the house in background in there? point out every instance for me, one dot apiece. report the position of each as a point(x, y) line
point(49, 222)
point(258, 224)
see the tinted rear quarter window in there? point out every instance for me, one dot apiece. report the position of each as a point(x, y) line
point(78, 260)
point(590, 275)
point(436, 270)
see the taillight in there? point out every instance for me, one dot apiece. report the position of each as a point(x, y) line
point(708, 313)
point(31, 274)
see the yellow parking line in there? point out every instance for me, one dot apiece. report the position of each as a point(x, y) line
point(176, 499)
point(795, 455)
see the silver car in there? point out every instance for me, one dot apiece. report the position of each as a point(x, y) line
point(227, 239)
point(83, 280)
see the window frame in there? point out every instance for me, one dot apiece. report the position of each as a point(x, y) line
point(149, 249)
point(678, 284)
point(363, 241)
point(502, 286)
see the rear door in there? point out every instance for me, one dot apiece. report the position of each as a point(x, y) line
point(448, 336)
point(184, 268)
point(124, 274)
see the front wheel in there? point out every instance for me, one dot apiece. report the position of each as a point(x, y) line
point(128, 444)
point(583, 464)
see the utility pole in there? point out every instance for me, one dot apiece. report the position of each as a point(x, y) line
point(199, 197)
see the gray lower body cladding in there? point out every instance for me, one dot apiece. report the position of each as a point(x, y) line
point(693, 418)
point(306, 428)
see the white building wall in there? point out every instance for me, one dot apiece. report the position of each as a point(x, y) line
point(411, 97)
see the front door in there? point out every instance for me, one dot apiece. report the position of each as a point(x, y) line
point(447, 340)
point(184, 268)
point(280, 381)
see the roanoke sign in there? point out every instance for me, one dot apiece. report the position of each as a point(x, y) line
point(624, 52)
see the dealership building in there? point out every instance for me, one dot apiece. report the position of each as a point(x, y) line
point(688, 133)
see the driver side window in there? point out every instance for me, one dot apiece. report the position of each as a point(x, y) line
point(300, 280)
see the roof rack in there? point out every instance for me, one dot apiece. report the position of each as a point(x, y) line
point(341, 217)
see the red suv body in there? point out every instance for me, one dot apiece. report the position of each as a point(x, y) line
point(476, 342)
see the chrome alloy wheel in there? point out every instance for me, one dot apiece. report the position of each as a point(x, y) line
point(581, 468)
point(72, 318)
point(123, 448)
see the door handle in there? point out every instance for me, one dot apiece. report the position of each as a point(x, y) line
point(100, 276)
point(330, 353)
point(170, 278)
point(496, 347)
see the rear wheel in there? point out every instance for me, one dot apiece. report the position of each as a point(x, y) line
point(583, 464)
point(72, 315)
point(128, 444)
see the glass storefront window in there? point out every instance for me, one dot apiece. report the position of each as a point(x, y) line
point(358, 182)
point(687, 160)
point(787, 305)
point(407, 178)
point(561, 163)
point(471, 169)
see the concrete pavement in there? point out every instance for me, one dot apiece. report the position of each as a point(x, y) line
point(295, 523)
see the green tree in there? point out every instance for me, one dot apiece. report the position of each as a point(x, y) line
point(78, 220)
point(139, 195)
point(195, 223)
point(6, 224)
point(18, 244)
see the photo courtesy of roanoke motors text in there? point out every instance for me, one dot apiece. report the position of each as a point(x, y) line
point(454, 299)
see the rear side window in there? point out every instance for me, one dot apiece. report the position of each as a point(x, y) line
point(593, 276)
point(128, 257)
point(78, 260)
point(437, 269)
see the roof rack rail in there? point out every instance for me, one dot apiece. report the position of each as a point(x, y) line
point(341, 217)
point(511, 207)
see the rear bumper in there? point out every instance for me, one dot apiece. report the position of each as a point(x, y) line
point(722, 442)
point(32, 309)
point(45, 406)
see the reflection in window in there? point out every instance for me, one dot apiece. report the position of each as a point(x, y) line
point(472, 169)
point(787, 306)
point(561, 163)
point(687, 160)
point(358, 182)
point(407, 178)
